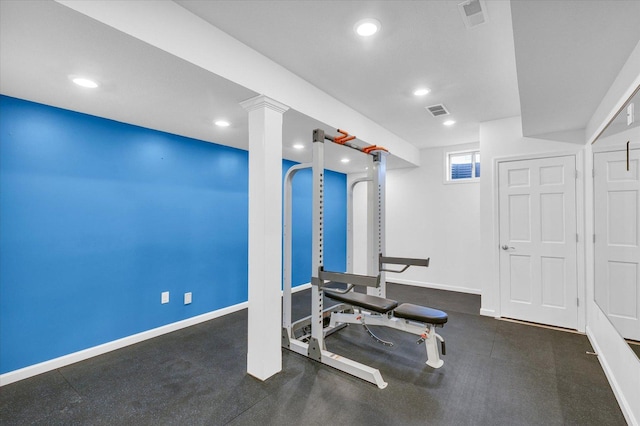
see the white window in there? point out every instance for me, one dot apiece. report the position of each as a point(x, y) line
point(463, 166)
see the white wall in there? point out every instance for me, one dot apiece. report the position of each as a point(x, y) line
point(620, 364)
point(502, 139)
point(428, 218)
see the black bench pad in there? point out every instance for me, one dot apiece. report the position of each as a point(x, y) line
point(365, 301)
point(420, 314)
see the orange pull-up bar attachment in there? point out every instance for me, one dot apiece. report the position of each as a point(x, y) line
point(342, 139)
point(368, 149)
point(346, 137)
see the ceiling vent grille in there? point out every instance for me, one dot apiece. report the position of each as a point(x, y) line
point(437, 110)
point(474, 13)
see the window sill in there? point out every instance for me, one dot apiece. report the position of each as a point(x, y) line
point(458, 181)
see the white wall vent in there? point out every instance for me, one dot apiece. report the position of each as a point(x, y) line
point(474, 12)
point(437, 110)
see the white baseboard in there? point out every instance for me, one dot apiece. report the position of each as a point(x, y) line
point(434, 285)
point(488, 312)
point(63, 361)
point(622, 401)
point(300, 287)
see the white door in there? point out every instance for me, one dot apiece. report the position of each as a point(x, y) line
point(538, 271)
point(617, 250)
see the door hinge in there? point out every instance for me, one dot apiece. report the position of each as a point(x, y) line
point(577, 236)
point(594, 238)
point(576, 174)
point(593, 172)
point(578, 301)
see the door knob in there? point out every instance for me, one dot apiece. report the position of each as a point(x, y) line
point(506, 247)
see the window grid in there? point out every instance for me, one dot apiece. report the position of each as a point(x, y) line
point(463, 166)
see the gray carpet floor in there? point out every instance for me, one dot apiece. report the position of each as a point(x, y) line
point(495, 373)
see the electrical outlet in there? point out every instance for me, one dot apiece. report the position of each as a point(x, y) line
point(164, 298)
point(187, 298)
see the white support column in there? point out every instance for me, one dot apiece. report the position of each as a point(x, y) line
point(264, 353)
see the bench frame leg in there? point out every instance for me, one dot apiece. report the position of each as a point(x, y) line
point(431, 343)
point(426, 331)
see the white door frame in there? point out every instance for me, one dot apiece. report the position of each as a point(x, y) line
point(580, 227)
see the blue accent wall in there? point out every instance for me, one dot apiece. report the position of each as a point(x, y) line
point(98, 217)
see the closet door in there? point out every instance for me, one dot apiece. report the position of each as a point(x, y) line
point(538, 266)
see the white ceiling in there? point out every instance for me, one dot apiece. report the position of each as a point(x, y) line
point(421, 43)
point(43, 43)
point(567, 52)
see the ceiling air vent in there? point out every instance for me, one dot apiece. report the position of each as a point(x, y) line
point(437, 110)
point(474, 12)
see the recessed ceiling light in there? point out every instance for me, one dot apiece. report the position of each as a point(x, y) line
point(449, 123)
point(222, 123)
point(298, 146)
point(345, 160)
point(367, 27)
point(421, 92)
point(85, 82)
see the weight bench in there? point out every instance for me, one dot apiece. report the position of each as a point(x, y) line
point(375, 310)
